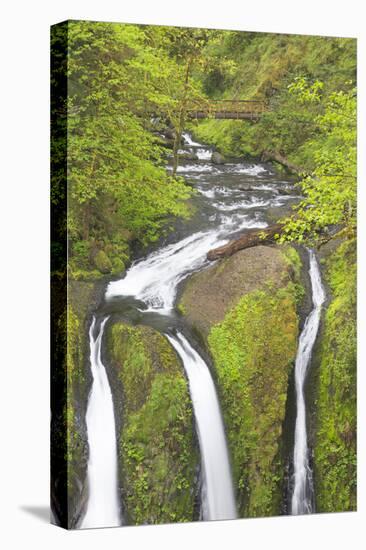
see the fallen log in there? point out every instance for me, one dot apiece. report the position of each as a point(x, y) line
point(277, 157)
point(251, 238)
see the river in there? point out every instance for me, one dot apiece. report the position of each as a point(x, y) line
point(230, 198)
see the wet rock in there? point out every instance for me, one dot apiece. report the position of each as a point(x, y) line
point(245, 187)
point(69, 479)
point(217, 158)
point(188, 155)
point(169, 134)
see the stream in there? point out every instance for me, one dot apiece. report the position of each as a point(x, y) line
point(230, 198)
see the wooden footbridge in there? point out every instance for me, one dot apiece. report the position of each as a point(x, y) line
point(232, 109)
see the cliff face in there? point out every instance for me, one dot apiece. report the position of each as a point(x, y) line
point(245, 312)
point(334, 417)
point(83, 298)
point(158, 456)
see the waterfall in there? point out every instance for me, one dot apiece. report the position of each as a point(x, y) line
point(152, 282)
point(302, 496)
point(103, 504)
point(217, 494)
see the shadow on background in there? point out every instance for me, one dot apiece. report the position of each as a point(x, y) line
point(41, 512)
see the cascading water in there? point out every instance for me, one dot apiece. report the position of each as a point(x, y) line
point(217, 496)
point(302, 496)
point(149, 287)
point(154, 281)
point(103, 505)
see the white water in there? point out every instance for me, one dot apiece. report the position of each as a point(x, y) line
point(218, 496)
point(154, 281)
point(190, 141)
point(103, 504)
point(303, 489)
point(204, 154)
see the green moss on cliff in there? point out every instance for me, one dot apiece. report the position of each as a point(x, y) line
point(74, 374)
point(157, 451)
point(335, 444)
point(253, 351)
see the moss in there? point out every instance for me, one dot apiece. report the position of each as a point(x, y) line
point(245, 310)
point(68, 435)
point(293, 260)
point(157, 450)
point(294, 263)
point(85, 275)
point(335, 439)
point(102, 262)
point(74, 374)
point(118, 266)
point(208, 295)
point(253, 350)
point(92, 259)
point(181, 308)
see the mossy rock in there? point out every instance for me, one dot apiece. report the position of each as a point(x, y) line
point(157, 448)
point(102, 262)
point(208, 295)
point(118, 266)
point(245, 310)
point(71, 373)
point(218, 158)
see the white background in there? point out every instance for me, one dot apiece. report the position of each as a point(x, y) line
point(24, 317)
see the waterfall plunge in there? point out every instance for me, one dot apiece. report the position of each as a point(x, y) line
point(103, 505)
point(217, 495)
point(303, 487)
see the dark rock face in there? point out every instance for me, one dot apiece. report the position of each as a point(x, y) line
point(332, 393)
point(83, 299)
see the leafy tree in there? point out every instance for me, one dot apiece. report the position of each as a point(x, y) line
point(116, 175)
point(330, 191)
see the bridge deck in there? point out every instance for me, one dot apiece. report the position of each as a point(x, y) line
point(227, 109)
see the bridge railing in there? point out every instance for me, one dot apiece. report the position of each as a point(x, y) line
point(226, 108)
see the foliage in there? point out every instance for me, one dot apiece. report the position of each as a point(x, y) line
point(335, 443)
point(253, 350)
point(116, 176)
point(102, 262)
point(157, 451)
point(330, 191)
point(265, 67)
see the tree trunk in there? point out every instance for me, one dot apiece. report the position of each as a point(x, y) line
point(181, 122)
point(253, 237)
point(277, 157)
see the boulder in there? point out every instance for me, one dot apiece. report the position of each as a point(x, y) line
point(188, 155)
point(217, 158)
point(102, 262)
